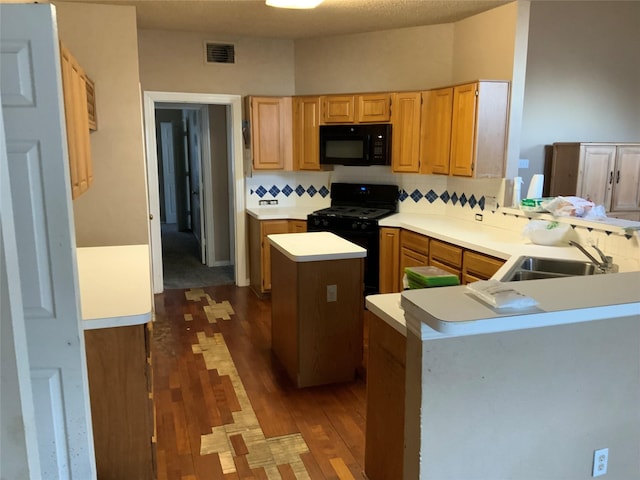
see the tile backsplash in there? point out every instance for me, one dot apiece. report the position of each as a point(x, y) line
point(418, 193)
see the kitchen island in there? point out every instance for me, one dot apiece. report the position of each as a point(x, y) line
point(317, 306)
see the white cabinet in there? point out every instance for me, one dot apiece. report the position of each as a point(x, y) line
point(606, 173)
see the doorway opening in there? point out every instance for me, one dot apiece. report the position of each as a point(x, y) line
point(196, 189)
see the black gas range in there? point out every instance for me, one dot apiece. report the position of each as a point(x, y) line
point(353, 215)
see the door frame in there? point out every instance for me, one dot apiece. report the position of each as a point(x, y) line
point(234, 104)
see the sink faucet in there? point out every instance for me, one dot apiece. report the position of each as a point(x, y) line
point(606, 264)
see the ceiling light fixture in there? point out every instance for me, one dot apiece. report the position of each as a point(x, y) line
point(297, 4)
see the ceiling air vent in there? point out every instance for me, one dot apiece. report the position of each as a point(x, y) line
point(219, 53)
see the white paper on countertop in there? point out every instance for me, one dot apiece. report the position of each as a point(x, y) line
point(500, 295)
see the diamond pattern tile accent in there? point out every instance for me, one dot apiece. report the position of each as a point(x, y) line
point(431, 196)
point(402, 195)
point(444, 196)
point(472, 201)
point(261, 191)
point(454, 198)
point(300, 190)
point(311, 191)
point(416, 196)
point(287, 190)
point(463, 200)
point(324, 191)
point(481, 203)
point(274, 191)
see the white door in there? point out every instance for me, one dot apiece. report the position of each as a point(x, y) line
point(42, 212)
point(168, 172)
point(195, 180)
point(18, 439)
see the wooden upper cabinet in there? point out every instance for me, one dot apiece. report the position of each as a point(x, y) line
point(77, 123)
point(479, 129)
point(405, 135)
point(271, 123)
point(607, 174)
point(374, 108)
point(306, 133)
point(435, 134)
point(91, 104)
point(626, 191)
point(338, 108)
point(597, 173)
point(361, 108)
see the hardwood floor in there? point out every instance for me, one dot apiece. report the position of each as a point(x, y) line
point(226, 410)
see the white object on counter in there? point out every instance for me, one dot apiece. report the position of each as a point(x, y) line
point(535, 187)
point(115, 286)
point(517, 187)
point(315, 246)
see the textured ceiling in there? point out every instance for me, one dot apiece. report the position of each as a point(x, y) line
point(333, 17)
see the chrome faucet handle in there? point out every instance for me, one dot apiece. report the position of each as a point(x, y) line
point(605, 258)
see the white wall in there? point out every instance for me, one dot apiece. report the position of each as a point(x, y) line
point(583, 73)
point(104, 40)
point(415, 58)
point(174, 62)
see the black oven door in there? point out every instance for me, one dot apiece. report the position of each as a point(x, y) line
point(368, 238)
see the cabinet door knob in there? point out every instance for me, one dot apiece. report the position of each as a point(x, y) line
point(610, 177)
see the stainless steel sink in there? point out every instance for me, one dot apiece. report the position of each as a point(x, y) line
point(535, 268)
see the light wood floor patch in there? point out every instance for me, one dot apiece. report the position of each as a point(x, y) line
point(262, 452)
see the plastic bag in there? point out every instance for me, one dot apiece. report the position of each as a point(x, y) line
point(542, 232)
point(568, 206)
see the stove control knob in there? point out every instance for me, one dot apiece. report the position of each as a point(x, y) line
point(325, 223)
point(316, 222)
point(354, 226)
point(363, 226)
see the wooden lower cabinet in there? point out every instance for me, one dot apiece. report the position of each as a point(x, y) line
point(476, 266)
point(259, 252)
point(446, 256)
point(384, 440)
point(317, 341)
point(400, 248)
point(389, 281)
point(119, 369)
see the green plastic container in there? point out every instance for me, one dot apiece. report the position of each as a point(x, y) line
point(426, 277)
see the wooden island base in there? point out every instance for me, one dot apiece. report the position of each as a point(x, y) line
point(317, 339)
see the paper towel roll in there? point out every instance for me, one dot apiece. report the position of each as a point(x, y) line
point(515, 200)
point(535, 187)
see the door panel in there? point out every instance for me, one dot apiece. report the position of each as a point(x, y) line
point(41, 193)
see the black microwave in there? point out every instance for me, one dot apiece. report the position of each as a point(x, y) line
point(355, 145)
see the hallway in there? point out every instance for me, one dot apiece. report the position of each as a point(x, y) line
point(181, 263)
point(224, 408)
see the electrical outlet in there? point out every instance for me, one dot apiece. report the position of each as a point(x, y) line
point(268, 202)
point(600, 460)
point(478, 217)
point(332, 293)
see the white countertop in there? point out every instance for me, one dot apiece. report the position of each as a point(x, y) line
point(281, 213)
point(115, 286)
point(315, 246)
point(560, 301)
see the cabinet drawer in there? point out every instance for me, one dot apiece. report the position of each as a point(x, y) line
point(446, 268)
point(445, 253)
point(414, 241)
point(480, 266)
